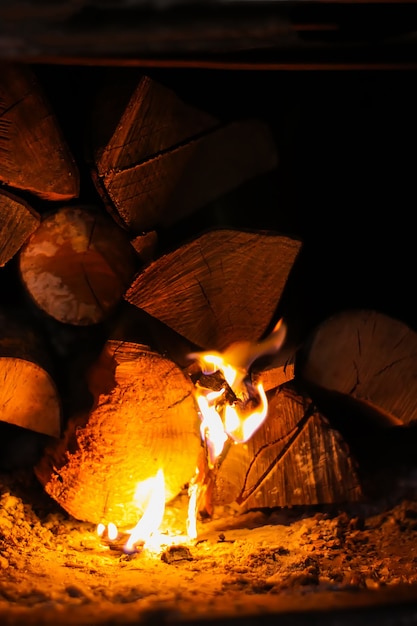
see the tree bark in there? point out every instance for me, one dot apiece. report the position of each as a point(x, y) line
point(28, 394)
point(35, 155)
point(17, 222)
point(143, 419)
point(77, 265)
point(222, 287)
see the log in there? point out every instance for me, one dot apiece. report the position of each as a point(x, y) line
point(29, 397)
point(194, 174)
point(294, 458)
point(143, 419)
point(77, 265)
point(17, 222)
point(154, 120)
point(160, 138)
point(367, 356)
point(35, 154)
point(224, 286)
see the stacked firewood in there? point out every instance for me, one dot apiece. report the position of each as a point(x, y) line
point(95, 356)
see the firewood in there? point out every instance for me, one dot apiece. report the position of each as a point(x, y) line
point(28, 394)
point(17, 222)
point(221, 287)
point(277, 371)
point(368, 356)
point(146, 245)
point(143, 419)
point(161, 138)
point(77, 265)
point(34, 154)
point(193, 174)
point(294, 458)
point(153, 121)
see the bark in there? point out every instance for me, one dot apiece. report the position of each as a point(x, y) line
point(17, 222)
point(224, 286)
point(368, 356)
point(294, 458)
point(77, 265)
point(143, 419)
point(35, 154)
point(28, 394)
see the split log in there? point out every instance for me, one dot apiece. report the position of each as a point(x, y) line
point(277, 371)
point(154, 120)
point(160, 138)
point(28, 394)
point(34, 154)
point(77, 265)
point(224, 286)
point(143, 419)
point(193, 175)
point(294, 458)
point(17, 222)
point(369, 357)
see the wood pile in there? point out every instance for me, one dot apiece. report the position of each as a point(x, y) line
point(116, 314)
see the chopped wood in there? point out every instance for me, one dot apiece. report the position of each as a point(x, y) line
point(276, 372)
point(224, 286)
point(35, 156)
point(368, 356)
point(154, 120)
point(17, 222)
point(77, 265)
point(194, 174)
point(143, 419)
point(294, 458)
point(146, 246)
point(28, 394)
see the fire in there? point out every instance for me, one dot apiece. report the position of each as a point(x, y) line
point(238, 416)
point(231, 414)
point(150, 498)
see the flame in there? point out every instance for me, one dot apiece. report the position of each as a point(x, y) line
point(150, 498)
point(231, 414)
point(152, 493)
point(223, 419)
point(241, 428)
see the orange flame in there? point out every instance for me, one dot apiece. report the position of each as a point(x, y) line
point(222, 419)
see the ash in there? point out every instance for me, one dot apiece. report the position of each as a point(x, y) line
point(55, 570)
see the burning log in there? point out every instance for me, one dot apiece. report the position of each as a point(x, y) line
point(17, 222)
point(294, 458)
point(143, 420)
point(369, 357)
point(35, 155)
point(160, 138)
point(28, 394)
point(77, 265)
point(224, 286)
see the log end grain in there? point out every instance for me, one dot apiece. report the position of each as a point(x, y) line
point(77, 265)
point(144, 419)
